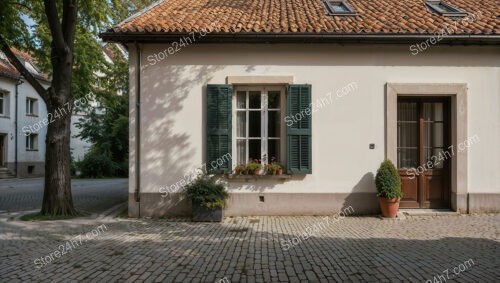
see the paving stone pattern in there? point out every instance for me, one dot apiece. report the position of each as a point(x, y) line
point(250, 249)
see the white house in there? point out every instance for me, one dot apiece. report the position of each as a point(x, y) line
point(329, 88)
point(22, 136)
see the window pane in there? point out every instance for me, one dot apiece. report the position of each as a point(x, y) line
point(254, 123)
point(1, 106)
point(241, 100)
point(241, 151)
point(254, 149)
point(274, 124)
point(407, 158)
point(254, 99)
point(274, 150)
point(274, 100)
point(241, 124)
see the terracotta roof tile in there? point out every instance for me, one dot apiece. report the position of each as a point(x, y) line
point(308, 16)
point(8, 70)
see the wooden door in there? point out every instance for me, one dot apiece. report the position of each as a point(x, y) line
point(424, 154)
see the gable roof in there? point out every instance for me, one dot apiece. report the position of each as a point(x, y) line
point(293, 18)
point(8, 70)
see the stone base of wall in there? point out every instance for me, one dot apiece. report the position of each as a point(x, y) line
point(245, 204)
point(290, 204)
point(481, 203)
point(23, 169)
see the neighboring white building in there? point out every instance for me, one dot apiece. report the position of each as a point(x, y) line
point(329, 88)
point(22, 144)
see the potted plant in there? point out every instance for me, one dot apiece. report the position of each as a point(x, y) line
point(254, 167)
point(240, 169)
point(388, 185)
point(274, 168)
point(208, 198)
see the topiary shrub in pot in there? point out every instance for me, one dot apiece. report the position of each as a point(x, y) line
point(388, 185)
point(208, 198)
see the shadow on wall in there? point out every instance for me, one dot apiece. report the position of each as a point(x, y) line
point(363, 197)
point(168, 153)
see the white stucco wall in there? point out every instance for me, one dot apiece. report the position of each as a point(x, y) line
point(7, 124)
point(173, 101)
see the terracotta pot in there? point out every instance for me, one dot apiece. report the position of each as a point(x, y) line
point(237, 172)
point(256, 171)
point(389, 206)
point(280, 171)
point(245, 172)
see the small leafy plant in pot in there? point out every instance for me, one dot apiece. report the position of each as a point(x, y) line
point(208, 198)
point(240, 169)
point(388, 185)
point(254, 167)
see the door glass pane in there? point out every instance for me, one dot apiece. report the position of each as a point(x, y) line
point(407, 134)
point(241, 151)
point(274, 150)
point(241, 124)
point(433, 134)
point(254, 149)
point(274, 124)
point(433, 111)
point(274, 100)
point(254, 123)
point(254, 100)
point(407, 158)
point(241, 100)
point(435, 158)
point(407, 111)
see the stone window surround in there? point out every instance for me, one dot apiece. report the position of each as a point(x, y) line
point(458, 94)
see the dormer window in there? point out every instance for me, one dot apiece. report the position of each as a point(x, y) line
point(445, 9)
point(339, 7)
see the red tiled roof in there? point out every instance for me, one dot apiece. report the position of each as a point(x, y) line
point(309, 16)
point(8, 70)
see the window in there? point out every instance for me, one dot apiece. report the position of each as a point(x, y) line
point(32, 142)
point(2, 103)
point(31, 169)
point(258, 124)
point(250, 122)
point(445, 9)
point(31, 107)
point(339, 7)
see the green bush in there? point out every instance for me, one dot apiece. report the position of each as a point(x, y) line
point(387, 181)
point(96, 165)
point(205, 191)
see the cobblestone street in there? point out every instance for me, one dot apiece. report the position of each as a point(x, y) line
point(254, 249)
point(91, 195)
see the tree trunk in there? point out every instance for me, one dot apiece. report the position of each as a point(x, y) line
point(57, 198)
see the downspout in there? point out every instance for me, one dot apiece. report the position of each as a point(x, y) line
point(137, 193)
point(16, 125)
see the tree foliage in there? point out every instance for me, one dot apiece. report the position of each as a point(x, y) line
point(106, 126)
point(62, 34)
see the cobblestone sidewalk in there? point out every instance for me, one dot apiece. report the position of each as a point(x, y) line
point(254, 249)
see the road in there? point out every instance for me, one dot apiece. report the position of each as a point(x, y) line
point(91, 195)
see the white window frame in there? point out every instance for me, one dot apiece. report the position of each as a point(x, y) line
point(32, 142)
point(33, 102)
point(264, 121)
point(3, 97)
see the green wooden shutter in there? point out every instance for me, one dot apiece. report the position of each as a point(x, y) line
point(219, 128)
point(299, 147)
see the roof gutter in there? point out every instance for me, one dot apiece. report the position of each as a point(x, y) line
point(162, 37)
